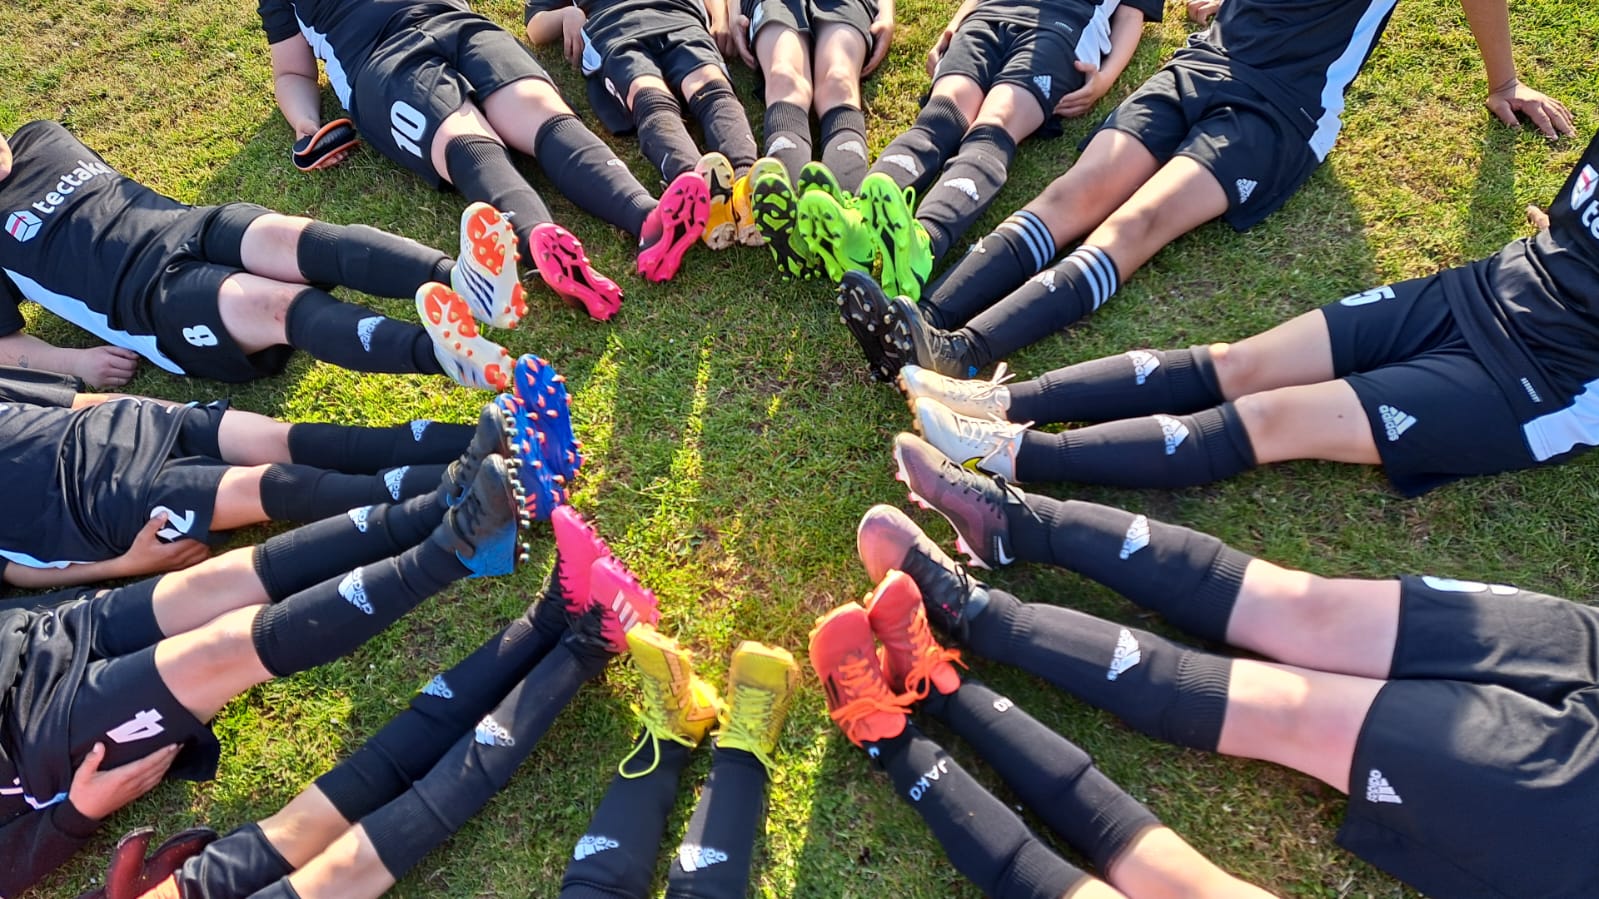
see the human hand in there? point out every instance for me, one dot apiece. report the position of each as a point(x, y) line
point(104, 366)
point(882, 36)
point(741, 41)
point(1548, 114)
point(1079, 101)
point(937, 53)
point(1537, 217)
point(572, 22)
point(96, 794)
point(5, 159)
point(150, 554)
point(1201, 11)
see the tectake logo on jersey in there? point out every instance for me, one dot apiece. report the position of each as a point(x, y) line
point(65, 186)
point(1587, 180)
point(23, 225)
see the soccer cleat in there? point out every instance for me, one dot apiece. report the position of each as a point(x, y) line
point(887, 539)
point(746, 231)
point(913, 661)
point(543, 396)
point(559, 258)
point(720, 228)
point(577, 547)
point(467, 356)
point(677, 705)
point(835, 235)
point(485, 273)
point(776, 213)
point(817, 176)
point(974, 504)
point(899, 237)
point(858, 699)
point(979, 399)
point(492, 437)
point(673, 226)
point(945, 352)
point(543, 486)
point(760, 688)
point(482, 528)
point(864, 309)
point(979, 444)
point(627, 602)
point(132, 874)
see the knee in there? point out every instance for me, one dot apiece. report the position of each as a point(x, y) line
point(217, 647)
point(537, 99)
point(1131, 225)
point(1260, 414)
point(838, 83)
point(787, 82)
point(1236, 367)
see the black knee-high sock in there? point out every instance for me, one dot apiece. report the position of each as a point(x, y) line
point(1190, 578)
point(1005, 258)
point(366, 259)
point(916, 156)
point(844, 145)
point(450, 705)
point(359, 450)
point(239, 864)
point(1157, 687)
point(357, 338)
point(1051, 774)
point(662, 136)
point(1157, 451)
point(714, 859)
point(788, 136)
point(481, 169)
point(1138, 382)
point(292, 561)
point(726, 126)
point(615, 858)
point(1048, 302)
point(302, 493)
point(983, 838)
point(333, 618)
point(481, 762)
point(966, 187)
point(583, 168)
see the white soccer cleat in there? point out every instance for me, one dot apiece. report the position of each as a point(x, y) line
point(978, 399)
point(979, 444)
point(467, 356)
point(485, 274)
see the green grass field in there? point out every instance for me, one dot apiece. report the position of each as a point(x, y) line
point(734, 439)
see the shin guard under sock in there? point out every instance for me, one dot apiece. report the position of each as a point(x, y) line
point(983, 838)
point(303, 493)
point(844, 145)
point(481, 169)
point(787, 130)
point(333, 618)
point(662, 136)
point(450, 705)
point(1155, 451)
point(366, 259)
point(238, 864)
point(1190, 578)
point(1158, 687)
point(357, 338)
point(726, 126)
point(480, 763)
point(1138, 382)
point(1049, 773)
point(1005, 258)
point(966, 186)
point(914, 158)
point(360, 450)
point(294, 560)
point(718, 848)
point(615, 858)
point(1048, 302)
point(585, 171)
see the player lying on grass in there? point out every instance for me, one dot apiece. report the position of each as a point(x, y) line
point(443, 91)
point(228, 292)
point(1230, 127)
point(1480, 369)
point(1001, 70)
point(1427, 700)
point(646, 53)
point(871, 697)
point(361, 826)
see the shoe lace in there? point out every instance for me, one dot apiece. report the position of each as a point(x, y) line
point(983, 391)
point(928, 655)
point(751, 723)
point(660, 706)
point(868, 693)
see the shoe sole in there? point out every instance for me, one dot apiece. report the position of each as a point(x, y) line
point(488, 246)
point(973, 559)
point(579, 546)
point(866, 313)
point(561, 262)
point(478, 361)
point(543, 393)
point(776, 216)
point(720, 231)
point(817, 225)
point(626, 602)
point(888, 219)
point(683, 210)
point(748, 233)
point(543, 493)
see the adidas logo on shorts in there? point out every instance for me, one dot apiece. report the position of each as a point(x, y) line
point(438, 687)
point(1144, 364)
point(592, 845)
point(354, 592)
point(364, 329)
point(1378, 790)
point(490, 733)
point(693, 857)
point(966, 186)
point(1176, 432)
point(1043, 82)
point(1245, 188)
point(1137, 536)
point(1127, 655)
point(1395, 422)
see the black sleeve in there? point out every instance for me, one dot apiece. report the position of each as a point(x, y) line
point(533, 7)
point(277, 20)
point(10, 312)
point(38, 388)
point(1153, 10)
point(40, 842)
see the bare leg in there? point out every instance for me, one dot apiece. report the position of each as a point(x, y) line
point(514, 113)
point(1315, 421)
point(1111, 169)
point(247, 438)
point(1159, 864)
point(305, 827)
point(966, 94)
point(348, 869)
point(206, 668)
point(786, 64)
point(1298, 351)
point(238, 501)
point(1341, 625)
point(696, 80)
point(840, 54)
point(255, 310)
point(1306, 720)
point(1012, 108)
point(185, 600)
point(468, 121)
point(271, 247)
point(1178, 198)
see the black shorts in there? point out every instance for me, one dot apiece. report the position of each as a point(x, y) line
point(669, 57)
point(186, 487)
point(1476, 769)
point(1435, 411)
point(804, 16)
point(184, 309)
point(420, 75)
point(1259, 157)
point(1039, 59)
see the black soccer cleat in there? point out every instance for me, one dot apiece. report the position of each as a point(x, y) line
point(887, 539)
point(483, 528)
point(866, 311)
point(947, 352)
point(492, 438)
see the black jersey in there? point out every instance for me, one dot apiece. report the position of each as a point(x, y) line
point(1300, 54)
point(612, 22)
point(1084, 23)
point(83, 240)
point(344, 33)
point(1531, 312)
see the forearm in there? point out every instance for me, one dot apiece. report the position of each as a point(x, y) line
point(300, 99)
point(546, 27)
point(1489, 21)
point(23, 350)
point(1126, 30)
point(48, 578)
